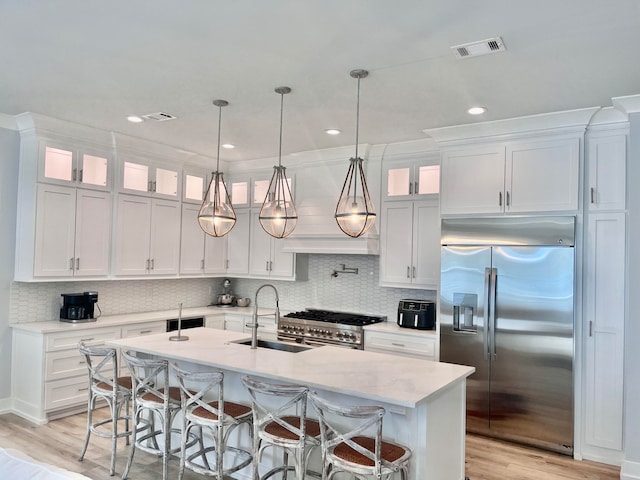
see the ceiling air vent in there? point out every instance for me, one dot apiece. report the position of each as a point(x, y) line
point(483, 47)
point(159, 117)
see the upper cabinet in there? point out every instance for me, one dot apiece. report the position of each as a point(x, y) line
point(412, 179)
point(147, 177)
point(518, 177)
point(606, 170)
point(194, 185)
point(266, 257)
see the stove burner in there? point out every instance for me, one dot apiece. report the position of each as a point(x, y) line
point(335, 317)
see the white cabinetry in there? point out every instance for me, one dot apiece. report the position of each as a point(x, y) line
point(67, 163)
point(606, 171)
point(199, 253)
point(604, 324)
point(143, 176)
point(147, 236)
point(517, 177)
point(410, 244)
point(238, 245)
point(411, 344)
point(411, 178)
point(266, 256)
point(73, 229)
point(194, 185)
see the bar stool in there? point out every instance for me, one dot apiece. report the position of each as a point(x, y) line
point(358, 449)
point(104, 383)
point(152, 397)
point(204, 406)
point(280, 420)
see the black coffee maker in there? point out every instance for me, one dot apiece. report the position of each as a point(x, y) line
point(78, 307)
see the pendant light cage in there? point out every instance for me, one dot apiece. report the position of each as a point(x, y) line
point(278, 216)
point(217, 216)
point(355, 214)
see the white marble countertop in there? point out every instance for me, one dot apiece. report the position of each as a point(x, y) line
point(131, 318)
point(374, 376)
point(392, 327)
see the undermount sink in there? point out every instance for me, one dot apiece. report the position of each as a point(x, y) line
point(283, 346)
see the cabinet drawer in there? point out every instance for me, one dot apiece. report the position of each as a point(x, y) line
point(69, 363)
point(69, 340)
point(65, 393)
point(410, 346)
point(140, 329)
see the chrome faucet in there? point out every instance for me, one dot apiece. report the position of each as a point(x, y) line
point(254, 325)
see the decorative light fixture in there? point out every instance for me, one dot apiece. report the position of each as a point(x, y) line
point(217, 216)
point(278, 215)
point(354, 213)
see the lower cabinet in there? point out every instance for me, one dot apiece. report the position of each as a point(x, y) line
point(412, 344)
point(49, 376)
point(267, 329)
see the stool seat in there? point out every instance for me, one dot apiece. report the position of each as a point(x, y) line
point(390, 452)
point(174, 396)
point(312, 427)
point(235, 410)
point(123, 382)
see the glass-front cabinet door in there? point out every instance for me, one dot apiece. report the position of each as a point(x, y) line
point(411, 179)
point(194, 185)
point(145, 177)
point(66, 164)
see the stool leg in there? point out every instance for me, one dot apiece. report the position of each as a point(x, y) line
point(167, 445)
point(114, 433)
point(132, 450)
point(89, 421)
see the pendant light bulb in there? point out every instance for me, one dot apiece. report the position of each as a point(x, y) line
point(278, 216)
point(217, 216)
point(354, 213)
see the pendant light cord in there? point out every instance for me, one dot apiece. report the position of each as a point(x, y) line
point(357, 116)
point(281, 114)
point(219, 128)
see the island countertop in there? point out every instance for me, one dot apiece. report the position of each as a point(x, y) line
point(376, 376)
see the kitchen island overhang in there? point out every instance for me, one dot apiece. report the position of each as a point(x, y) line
point(425, 401)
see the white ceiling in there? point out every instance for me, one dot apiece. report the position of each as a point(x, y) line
point(95, 62)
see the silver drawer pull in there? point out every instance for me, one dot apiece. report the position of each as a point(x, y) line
point(83, 389)
point(87, 339)
point(81, 362)
point(397, 344)
point(142, 332)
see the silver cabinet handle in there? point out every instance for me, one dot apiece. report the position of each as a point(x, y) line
point(397, 344)
point(270, 266)
point(508, 199)
point(142, 332)
point(416, 189)
point(408, 272)
point(147, 268)
point(414, 272)
point(149, 186)
point(591, 328)
point(202, 264)
point(78, 263)
point(155, 184)
point(267, 266)
point(499, 199)
point(71, 263)
point(74, 175)
point(227, 263)
point(593, 195)
point(87, 339)
point(153, 263)
point(80, 180)
point(410, 188)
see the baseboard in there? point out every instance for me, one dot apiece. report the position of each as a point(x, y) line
point(6, 406)
point(630, 470)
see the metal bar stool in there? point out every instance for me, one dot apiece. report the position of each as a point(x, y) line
point(152, 398)
point(358, 449)
point(105, 384)
point(280, 420)
point(204, 406)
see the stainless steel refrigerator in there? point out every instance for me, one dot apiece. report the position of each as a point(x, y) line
point(507, 308)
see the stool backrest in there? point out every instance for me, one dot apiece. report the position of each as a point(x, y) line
point(349, 425)
point(97, 360)
point(148, 375)
point(200, 389)
point(271, 402)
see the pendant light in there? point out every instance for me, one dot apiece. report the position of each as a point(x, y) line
point(217, 216)
point(278, 215)
point(354, 213)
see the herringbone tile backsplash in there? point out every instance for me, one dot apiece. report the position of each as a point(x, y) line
point(35, 302)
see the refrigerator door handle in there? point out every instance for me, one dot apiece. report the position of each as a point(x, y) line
point(492, 315)
point(485, 330)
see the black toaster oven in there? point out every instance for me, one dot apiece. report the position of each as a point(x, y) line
point(419, 314)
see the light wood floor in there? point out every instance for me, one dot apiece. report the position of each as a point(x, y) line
point(60, 441)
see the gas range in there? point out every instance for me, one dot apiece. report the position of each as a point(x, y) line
point(325, 327)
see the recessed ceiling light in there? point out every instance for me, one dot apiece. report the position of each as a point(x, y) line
point(228, 146)
point(332, 131)
point(135, 119)
point(476, 110)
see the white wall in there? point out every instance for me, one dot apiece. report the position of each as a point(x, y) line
point(9, 152)
point(631, 465)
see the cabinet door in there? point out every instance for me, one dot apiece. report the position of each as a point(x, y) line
point(56, 163)
point(191, 242)
point(136, 177)
point(131, 238)
point(215, 254)
point(164, 247)
point(472, 181)
point(239, 191)
point(395, 242)
point(283, 264)
point(94, 169)
point(260, 261)
point(238, 245)
point(604, 275)
point(398, 180)
point(542, 176)
point(412, 179)
point(426, 244)
point(194, 184)
point(55, 231)
point(166, 183)
point(93, 233)
point(607, 157)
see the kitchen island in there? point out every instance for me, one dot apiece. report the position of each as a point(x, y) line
point(425, 401)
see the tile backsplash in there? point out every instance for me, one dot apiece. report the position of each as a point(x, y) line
point(34, 302)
